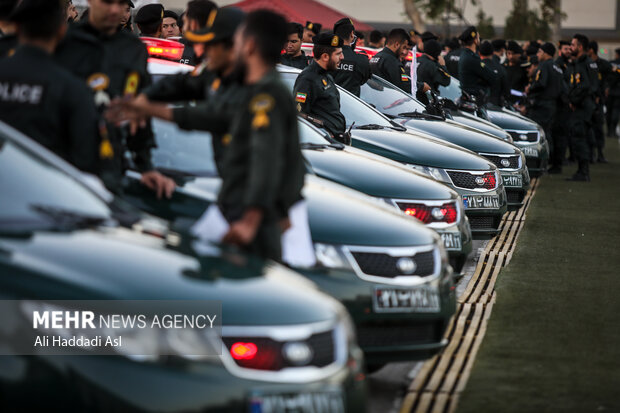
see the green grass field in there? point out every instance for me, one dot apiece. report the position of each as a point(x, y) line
point(553, 340)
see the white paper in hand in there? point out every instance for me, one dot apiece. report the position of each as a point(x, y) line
point(211, 226)
point(297, 248)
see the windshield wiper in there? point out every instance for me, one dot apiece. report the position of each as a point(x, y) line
point(312, 145)
point(419, 115)
point(64, 218)
point(370, 126)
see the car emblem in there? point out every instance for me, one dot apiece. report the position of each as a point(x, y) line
point(505, 163)
point(437, 213)
point(297, 353)
point(480, 181)
point(406, 265)
point(523, 137)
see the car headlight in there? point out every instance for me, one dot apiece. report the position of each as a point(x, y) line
point(436, 173)
point(541, 132)
point(331, 256)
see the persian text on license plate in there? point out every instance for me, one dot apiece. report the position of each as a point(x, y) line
point(481, 201)
point(527, 151)
point(326, 401)
point(451, 241)
point(513, 181)
point(406, 300)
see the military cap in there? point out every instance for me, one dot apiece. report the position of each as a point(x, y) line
point(344, 22)
point(564, 43)
point(486, 48)
point(327, 39)
point(314, 27)
point(151, 13)
point(532, 49)
point(498, 44)
point(428, 36)
point(29, 10)
point(468, 33)
point(548, 48)
point(514, 47)
point(6, 7)
point(432, 48)
point(170, 13)
point(531, 60)
point(130, 3)
point(414, 32)
point(221, 25)
point(453, 43)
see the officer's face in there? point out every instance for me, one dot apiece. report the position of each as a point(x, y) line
point(565, 51)
point(575, 47)
point(293, 45)
point(308, 35)
point(126, 14)
point(170, 27)
point(541, 55)
point(335, 58)
point(105, 15)
point(531, 70)
point(218, 57)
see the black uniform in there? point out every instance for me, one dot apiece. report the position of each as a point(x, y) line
point(560, 130)
point(188, 57)
point(112, 66)
point(517, 76)
point(613, 100)
point(475, 76)
point(500, 90)
point(580, 97)
point(299, 62)
point(316, 95)
point(543, 93)
point(8, 44)
point(181, 86)
point(262, 166)
point(432, 73)
point(598, 75)
point(48, 104)
point(452, 61)
point(353, 71)
point(386, 64)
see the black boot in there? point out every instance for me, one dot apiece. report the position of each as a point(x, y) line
point(601, 157)
point(583, 173)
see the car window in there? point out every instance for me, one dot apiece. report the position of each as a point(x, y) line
point(388, 98)
point(353, 109)
point(452, 91)
point(189, 152)
point(29, 183)
point(308, 134)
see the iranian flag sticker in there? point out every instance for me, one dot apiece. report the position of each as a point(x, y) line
point(300, 97)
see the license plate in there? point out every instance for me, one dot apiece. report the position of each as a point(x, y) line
point(481, 201)
point(406, 300)
point(513, 181)
point(326, 401)
point(451, 241)
point(528, 151)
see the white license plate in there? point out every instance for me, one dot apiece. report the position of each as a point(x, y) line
point(451, 241)
point(481, 201)
point(406, 300)
point(326, 401)
point(529, 151)
point(513, 181)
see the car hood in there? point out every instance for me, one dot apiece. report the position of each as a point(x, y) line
point(467, 119)
point(340, 215)
point(121, 264)
point(415, 148)
point(508, 120)
point(374, 175)
point(461, 135)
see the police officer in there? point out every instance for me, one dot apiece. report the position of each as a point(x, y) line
point(476, 77)
point(316, 94)
point(113, 63)
point(149, 20)
point(517, 77)
point(293, 55)
point(170, 26)
point(600, 70)
point(432, 69)
point(8, 37)
point(613, 104)
point(311, 30)
point(581, 104)
point(195, 18)
point(126, 23)
point(40, 98)
point(376, 39)
point(560, 130)
point(500, 90)
point(453, 57)
point(544, 91)
point(354, 70)
point(499, 50)
point(386, 64)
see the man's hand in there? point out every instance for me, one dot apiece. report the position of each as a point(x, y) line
point(243, 232)
point(136, 111)
point(285, 224)
point(527, 89)
point(572, 107)
point(425, 88)
point(441, 60)
point(157, 182)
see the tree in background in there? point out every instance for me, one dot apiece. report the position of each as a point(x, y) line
point(485, 25)
point(528, 24)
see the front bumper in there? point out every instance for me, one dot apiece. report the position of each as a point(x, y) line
point(485, 221)
point(515, 193)
point(536, 155)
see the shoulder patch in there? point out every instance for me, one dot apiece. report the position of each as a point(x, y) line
point(300, 97)
point(262, 103)
point(215, 85)
point(537, 75)
point(98, 81)
point(131, 84)
point(324, 82)
point(482, 64)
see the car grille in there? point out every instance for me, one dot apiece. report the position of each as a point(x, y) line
point(531, 136)
point(513, 161)
point(270, 355)
point(467, 180)
point(384, 265)
point(482, 222)
point(398, 334)
point(514, 197)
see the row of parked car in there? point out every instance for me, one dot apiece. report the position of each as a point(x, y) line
point(392, 219)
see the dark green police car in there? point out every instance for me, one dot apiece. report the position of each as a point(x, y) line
point(63, 238)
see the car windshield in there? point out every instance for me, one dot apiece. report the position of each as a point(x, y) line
point(353, 109)
point(309, 135)
point(388, 98)
point(33, 189)
point(181, 151)
point(452, 91)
